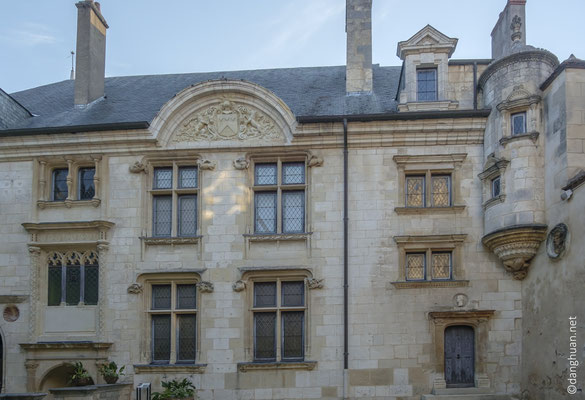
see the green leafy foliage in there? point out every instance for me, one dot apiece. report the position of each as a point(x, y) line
point(111, 370)
point(79, 376)
point(175, 390)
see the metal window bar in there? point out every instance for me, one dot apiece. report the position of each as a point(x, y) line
point(143, 391)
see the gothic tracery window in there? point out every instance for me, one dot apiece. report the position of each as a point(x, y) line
point(73, 278)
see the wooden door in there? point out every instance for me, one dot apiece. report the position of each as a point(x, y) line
point(459, 356)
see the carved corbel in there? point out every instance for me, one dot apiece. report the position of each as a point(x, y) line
point(206, 165)
point(135, 288)
point(138, 167)
point(205, 287)
point(313, 283)
point(241, 163)
point(239, 285)
point(315, 161)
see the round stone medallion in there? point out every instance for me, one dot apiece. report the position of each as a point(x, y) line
point(460, 300)
point(557, 241)
point(11, 313)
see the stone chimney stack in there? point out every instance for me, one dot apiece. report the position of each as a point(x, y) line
point(358, 26)
point(510, 30)
point(91, 53)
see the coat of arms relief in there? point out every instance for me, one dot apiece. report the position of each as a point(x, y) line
point(227, 121)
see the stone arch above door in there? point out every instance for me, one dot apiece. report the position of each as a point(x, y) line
point(224, 113)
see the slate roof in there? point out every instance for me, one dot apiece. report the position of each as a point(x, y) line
point(312, 91)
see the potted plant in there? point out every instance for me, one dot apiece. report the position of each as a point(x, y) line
point(110, 372)
point(80, 376)
point(176, 390)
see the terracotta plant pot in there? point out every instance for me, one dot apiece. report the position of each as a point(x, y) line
point(111, 379)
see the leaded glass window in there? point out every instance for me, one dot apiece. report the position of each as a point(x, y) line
point(60, 189)
point(279, 320)
point(279, 197)
point(441, 265)
point(496, 186)
point(441, 190)
point(518, 123)
point(175, 201)
point(426, 84)
point(415, 191)
point(173, 315)
point(86, 186)
point(73, 278)
point(415, 266)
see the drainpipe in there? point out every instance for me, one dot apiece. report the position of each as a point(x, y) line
point(345, 265)
point(475, 85)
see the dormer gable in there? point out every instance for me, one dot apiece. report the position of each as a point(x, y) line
point(427, 40)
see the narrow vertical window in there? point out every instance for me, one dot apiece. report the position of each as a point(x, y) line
point(163, 178)
point(187, 215)
point(426, 84)
point(162, 215)
point(265, 211)
point(441, 265)
point(441, 190)
point(518, 123)
point(415, 191)
point(496, 187)
point(85, 183)
point(60, 190)
point(415, 266)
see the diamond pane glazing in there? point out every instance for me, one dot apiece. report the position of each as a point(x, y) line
point(441, 265)
point(292, 334)
point(161, 297)
point(187, 215)
point(415, 191)
point(265, 294)
point(441, 190)
point(293, 211)
point(265, 174)
point(162, 215)
point(54, 286)
point(293, 173)
point(186, 297)
point(86, 185)
point(188, 177)
point(60, 190)
point(163, 178)
point(293, 294)
point(265, 212)
point(186, 338)
point(415, 267)
point(161, 338)
point(72, 285)
point(265, 336)
point(518, 124)
point(91, 285)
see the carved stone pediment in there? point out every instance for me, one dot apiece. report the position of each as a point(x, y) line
point(516, 246)
point(428, 40)
point(519, 97)
point(227, 120)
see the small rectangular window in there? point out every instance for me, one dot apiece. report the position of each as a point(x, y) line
point(265, 174)
point(86, 186)
point(265, 212)
point(292, 335)
point(161, 297)
point(293, 211)
point(265, 336)
point(163, 178)
point(60, 189)
point(519, 123)
point(186, 338)
point(161, 338)
point(265, 294)
point(186, 297)
point(187, 215)
point(55, 291)
point(441, 265)
point(187, 177)
point(415, 191)
point(496, 187)
point(426, 84)
point(162, 215)
point(415, 266)
point(293, 173)
point(441, 190)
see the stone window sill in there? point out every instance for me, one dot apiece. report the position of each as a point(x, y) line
point(428, 210)
point(529, 135)
point(158, 241)
point(275, 237)
point(277, 365)
point(42, 204)
point(493, 201)
point(429, 284)
point(169, 368)
point(438, 105)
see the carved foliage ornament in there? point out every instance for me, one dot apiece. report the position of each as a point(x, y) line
point(314, 283)
point(205, 287)
point(227, 121)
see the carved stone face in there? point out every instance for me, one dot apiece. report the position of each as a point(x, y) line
point(557, 240)
point(460, 300)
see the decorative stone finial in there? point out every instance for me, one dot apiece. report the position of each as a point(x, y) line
point(516, 27)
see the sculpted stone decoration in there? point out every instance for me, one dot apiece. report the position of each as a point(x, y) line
point(516, 246)
point(241, 163)
point(138, 167)
point(556, 242)
point(315, 161)
point(239, 285)
point(227, 121)
point(135, 288)
point(206, 165)
point(313, 283)
point(460, 300)
point(516, 27)
point(205, 287)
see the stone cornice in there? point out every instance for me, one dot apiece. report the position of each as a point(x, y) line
point(47, 226)
point(468, 314)
point(434, 239)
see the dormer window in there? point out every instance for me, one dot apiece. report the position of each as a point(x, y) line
point(518, 123)
point(426, 84)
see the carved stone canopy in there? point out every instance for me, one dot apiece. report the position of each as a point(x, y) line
point(515, 246)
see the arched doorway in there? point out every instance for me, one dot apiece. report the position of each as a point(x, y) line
point(459, 356)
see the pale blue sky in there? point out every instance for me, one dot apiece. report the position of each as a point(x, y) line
point(173, 36)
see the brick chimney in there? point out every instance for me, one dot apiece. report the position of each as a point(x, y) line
point(510, 30)
point(358, 26)
point(91, 53)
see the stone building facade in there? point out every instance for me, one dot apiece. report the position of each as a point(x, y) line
point(400, 233)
